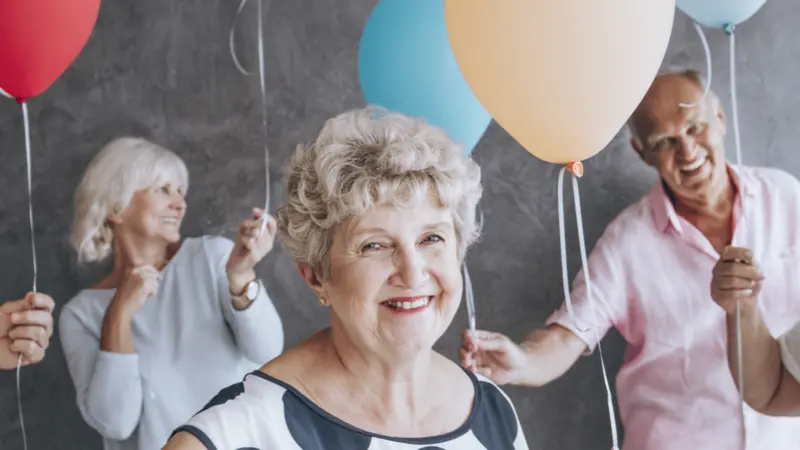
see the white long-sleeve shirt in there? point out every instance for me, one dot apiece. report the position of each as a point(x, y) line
point(189, 342)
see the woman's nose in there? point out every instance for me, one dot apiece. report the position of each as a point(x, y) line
point(412, 270)
point(178, 202)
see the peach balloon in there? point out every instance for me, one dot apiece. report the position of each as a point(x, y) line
point(560, 76)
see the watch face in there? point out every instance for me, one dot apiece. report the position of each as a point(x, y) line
point(252, 290)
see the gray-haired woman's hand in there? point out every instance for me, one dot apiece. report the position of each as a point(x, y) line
point(138, 285)
point(252, 245)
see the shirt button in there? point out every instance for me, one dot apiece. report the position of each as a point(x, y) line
point(152, 395)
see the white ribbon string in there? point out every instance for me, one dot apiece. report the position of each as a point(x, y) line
point(738, 147)
point(470, 297)
point(468, 294)
point(562, 234)
point(584, 261)
point(26, 123)
point(734, 105)
point(27, 126)
point(707, 51)
point(241, 69)
point(231, 39)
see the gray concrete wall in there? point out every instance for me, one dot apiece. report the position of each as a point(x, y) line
point(161, 69)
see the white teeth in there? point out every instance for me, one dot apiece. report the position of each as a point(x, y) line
point(169, 220)
point(410, 305)
point(694, 165)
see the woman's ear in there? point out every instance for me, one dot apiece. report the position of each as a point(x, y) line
point(313, 281)
point(115, 215)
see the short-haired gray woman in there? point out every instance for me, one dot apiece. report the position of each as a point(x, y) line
point(176, 319)
point(380, 212)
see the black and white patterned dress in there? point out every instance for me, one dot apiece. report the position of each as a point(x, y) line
point(263, 413)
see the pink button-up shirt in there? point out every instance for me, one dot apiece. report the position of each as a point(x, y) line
point(651, 275)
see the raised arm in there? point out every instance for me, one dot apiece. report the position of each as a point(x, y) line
point(256, 324)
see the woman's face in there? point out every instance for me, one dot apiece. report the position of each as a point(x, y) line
point(395, 279)
point(156, 213)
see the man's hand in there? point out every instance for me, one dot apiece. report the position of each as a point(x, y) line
point(493, 355)
point(736, 278)
point(25, 328)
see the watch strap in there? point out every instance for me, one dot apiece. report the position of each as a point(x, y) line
point(243, 295)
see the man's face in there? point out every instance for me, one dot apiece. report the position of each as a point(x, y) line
point(684, 144)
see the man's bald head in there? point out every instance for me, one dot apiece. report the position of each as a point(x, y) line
point(668, 84)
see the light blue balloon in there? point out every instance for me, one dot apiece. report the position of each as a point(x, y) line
point(406, 65)
point(720, 13)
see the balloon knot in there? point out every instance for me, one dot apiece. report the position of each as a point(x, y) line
point(729, 28)
point(20, 100)
point(576, 168)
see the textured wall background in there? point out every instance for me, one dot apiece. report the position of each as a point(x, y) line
point(161, 69)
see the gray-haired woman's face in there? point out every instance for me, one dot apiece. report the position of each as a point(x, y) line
point(156, 212)
point(395, 281)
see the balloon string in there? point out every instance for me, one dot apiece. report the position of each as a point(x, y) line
point(729, 29)
point(734, 103)
point(562, 234)
point(262, 83)
point(584, 261)
point(470, 297)
point(707, 51)
point(26, 123)
point(468, 293)
point(231, 39)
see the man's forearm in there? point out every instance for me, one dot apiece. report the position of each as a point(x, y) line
point(551, 352)
point(761, 356)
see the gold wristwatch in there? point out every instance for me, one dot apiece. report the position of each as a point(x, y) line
point(250, 292)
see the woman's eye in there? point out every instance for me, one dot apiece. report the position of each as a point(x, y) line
point(372, 246)
point(434, 238)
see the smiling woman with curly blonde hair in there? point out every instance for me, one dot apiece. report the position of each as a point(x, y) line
point(379, 216)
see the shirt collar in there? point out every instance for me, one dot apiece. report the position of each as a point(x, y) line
point(664, 213)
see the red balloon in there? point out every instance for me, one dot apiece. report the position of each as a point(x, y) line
point(39, 39)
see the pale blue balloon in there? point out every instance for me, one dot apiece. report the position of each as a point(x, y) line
point(406, 65)
point(720, 13)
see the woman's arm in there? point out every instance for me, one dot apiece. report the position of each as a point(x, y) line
point(184, 441)
point(107, 381)
point(257, 326)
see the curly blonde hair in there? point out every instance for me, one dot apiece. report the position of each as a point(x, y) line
point(368, 157)
point(121, 168)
